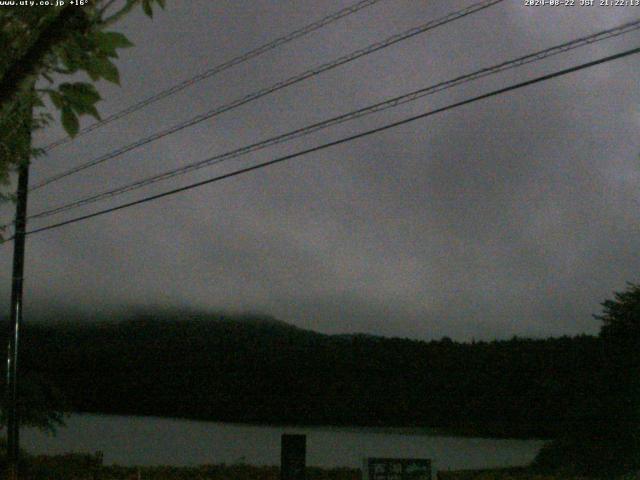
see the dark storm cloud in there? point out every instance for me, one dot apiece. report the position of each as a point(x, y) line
point(515, 215)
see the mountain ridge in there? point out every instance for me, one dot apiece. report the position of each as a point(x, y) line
point(257, 369)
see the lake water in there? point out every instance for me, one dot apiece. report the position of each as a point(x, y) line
point(159, 441)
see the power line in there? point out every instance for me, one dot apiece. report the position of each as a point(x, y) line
point(275, 87)
point(342, 140)
point(377, 107)
point(333, 17)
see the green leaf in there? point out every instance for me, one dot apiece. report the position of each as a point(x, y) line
point(74, 54)
point(56, 99)
point(70, 121)
point(146, 7)
point(80, 92)
point(114, 39)
point(161, 3)
point(91, 110)
point(81, 109)
point(68, 61)
point(93, 71)
point(81, 98)
point(109, 42)
point(110, 72)
point(102, 67)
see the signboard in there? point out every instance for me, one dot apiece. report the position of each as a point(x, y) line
point(293, 457)
point(398, 469)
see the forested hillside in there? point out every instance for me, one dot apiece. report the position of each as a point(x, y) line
point(253, 369)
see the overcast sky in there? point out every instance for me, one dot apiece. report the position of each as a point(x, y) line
point(516, 215)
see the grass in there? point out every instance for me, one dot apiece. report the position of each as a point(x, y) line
point(521, 473)
point(90, 467)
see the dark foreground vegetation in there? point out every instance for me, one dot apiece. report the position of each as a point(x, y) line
point(521, 474)
point(581, 391)
point(91, 467)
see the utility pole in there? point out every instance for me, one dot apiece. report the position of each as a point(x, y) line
point(15, 315)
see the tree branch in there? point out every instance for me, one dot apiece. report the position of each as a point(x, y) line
point(120, 13)
point(70, 20)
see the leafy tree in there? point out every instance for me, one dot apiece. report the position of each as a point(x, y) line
point(41, 404)
point(620, 333)
point(609, 444)
point(621, 316)
point(42, 45)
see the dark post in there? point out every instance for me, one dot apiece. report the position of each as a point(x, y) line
point(15, 315)
point(293, 457)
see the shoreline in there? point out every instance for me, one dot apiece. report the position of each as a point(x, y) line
point(472, 432)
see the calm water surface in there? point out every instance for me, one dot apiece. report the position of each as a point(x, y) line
point(159, 441)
